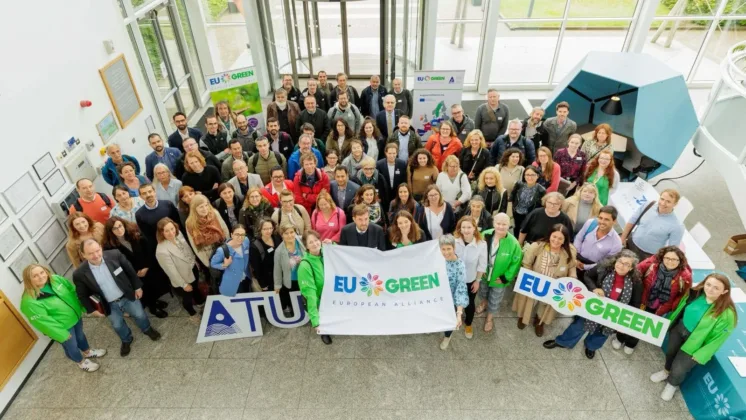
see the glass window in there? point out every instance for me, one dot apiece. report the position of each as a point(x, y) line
point(449, 55)
point(523, 55)
point(222, 10)
point(684, 46)
point(532, 9)
point(690, 8)
point(594, 8)
point(197, 75)
point(727, 34)
point(449, 9)
point(229, 47)
point(582, 37)
point(727, 109)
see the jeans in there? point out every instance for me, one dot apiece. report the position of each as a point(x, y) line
point(471, 308)
point(116, 317)
point(629, 341)
point(76, 343)
point(574, 333)
point(494, 296)
point(678, 363)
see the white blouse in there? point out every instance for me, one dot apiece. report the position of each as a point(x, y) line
point(474, 256)
point(433, 222)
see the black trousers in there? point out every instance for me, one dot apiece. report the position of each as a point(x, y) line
point(634, 248)
point(518, 219)
point(469, 310)
point(678, 363)
point(189, 299)
point(285, 295)
point(629, 341)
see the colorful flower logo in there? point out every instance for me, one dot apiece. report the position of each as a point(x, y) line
point(575, 297)
point(721, 405)
point(226, 77)
point(371, 285)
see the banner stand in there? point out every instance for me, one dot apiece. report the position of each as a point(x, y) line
point(434, 94)
point(240, 89)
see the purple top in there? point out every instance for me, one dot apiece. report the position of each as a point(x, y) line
point(572, 168)
point(596, 249)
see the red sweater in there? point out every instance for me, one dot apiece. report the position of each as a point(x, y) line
point(649, 270)
point(305, 195)
point(274, 199)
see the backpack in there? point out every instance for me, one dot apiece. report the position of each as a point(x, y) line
point(356, 116)
point(79, 207)
point(255, 159)
point(216, 276)
point(592, 226)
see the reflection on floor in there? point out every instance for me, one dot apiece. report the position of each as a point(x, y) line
point(291, 374)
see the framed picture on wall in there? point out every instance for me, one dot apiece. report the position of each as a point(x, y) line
point(21, 192)
point(44, 166)
point(107, 127)
point(3, 214)
point(23, 259)
point(54, 183)
point(60, 263)
point(51, 238)
point(10, 241)
point(37, 216)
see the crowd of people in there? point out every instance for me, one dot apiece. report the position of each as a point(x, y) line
point(231, 210)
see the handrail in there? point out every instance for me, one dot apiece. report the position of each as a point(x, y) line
point(730, 71)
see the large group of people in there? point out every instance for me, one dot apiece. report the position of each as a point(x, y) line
point(232, 210)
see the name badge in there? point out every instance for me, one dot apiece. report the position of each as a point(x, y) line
point(246, 252)
point(399, 100)
point(578, 158)
point(427, 176)
point(270, 250)
point(104, 208)
point(397, 172)
point(285, 148)
point(499, 118)
point(118, 271)
point(562, 268)
point(331, 224)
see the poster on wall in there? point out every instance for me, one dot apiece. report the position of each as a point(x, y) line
point(434, 93)
point(240, 89)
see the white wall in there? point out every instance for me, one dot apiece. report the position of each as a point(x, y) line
point(51, 51)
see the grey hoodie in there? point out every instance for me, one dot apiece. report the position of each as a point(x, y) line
point(463, 129)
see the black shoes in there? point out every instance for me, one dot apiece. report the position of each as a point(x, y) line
point(158, 312)
point(326, 339)
point(153, 334)
point(125, 349)
point(160, 304)
point(550, 344)
point(590, 353)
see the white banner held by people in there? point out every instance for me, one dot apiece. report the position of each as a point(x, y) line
point(405, 292)
point(435, 91)
point(569, 296)
point(231, 317)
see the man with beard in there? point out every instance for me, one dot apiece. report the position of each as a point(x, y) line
point(325, 87)
point(190, 145)
point(314, 116)
point(285, 111)
point(279, 141)
point(292, 93)
point(215, 140)
point(182, 132)
point(322, 100)
point(348, 111)
point(352, 96)
point(245, 134)
point(165, 155)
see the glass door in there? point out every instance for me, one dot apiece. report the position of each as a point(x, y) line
point(362, 36)
point(168, 56)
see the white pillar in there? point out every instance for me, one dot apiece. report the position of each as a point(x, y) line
point(642, 26)
point(256, 43)
point(428, 35)
point(488, 46)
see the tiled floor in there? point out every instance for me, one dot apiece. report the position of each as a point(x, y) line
point(290, 373)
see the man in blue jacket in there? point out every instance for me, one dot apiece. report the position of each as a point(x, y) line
point(182, 132)
point(165, 155)
point(109, 171)
point(304, 145)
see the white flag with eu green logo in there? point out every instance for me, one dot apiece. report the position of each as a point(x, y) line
point(370, 292)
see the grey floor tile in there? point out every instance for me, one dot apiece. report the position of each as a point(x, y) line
point(395, 346)
point(242, 348)
point(379, 382)
point(71, 414)
point(273, 414)
point(328, 384)
point(120, 383)
point(657, 415)
point(285, 343)
point(179, 341)
point(632, 381)
point(482, 345)
point(342, 347)
point(432, 385)
point(276, 384)
point(172, 383)
point(215, 414)
point(225, 384)
point(103, 336)
point(162, 413)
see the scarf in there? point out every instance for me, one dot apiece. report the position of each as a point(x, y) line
point(365, 180)
point(624, 297)
point(208, 232)
point(661, 290)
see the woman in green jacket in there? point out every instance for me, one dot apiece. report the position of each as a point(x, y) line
point(504, 256)
point(708, 317)
point(311, 278)
point(52, 307)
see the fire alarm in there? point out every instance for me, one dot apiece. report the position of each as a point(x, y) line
point(85, 103)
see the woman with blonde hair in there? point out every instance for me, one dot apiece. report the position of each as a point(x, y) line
point(205, 228)
point(474, 155)
point(327, 219)
point(582, 206)
point(255, 208)
point(549, 172)
point(601, 141)
point(454, 184)
point(404, 231)
point(51, 305)
point(552, 256)
point(472, 250)
point(603, 174)
point(491, 189)
point(80, 227)
point(226, 118)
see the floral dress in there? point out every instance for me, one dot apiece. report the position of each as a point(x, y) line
point(457, 280)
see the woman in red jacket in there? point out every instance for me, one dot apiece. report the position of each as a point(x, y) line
point(550, 172)
point(443, 144)
point(663, 287)
point(309, 182)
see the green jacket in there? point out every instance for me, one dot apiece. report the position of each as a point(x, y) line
point(311, 283)
point(710, 332)
point(54, 315)
point(507, 262)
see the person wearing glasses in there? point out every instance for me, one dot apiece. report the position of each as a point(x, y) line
point(462, 123)
point(541, 220)
point(439, 218)
point(615, 278)
point(233, 260)
point(525, 197)
point(291, 213)
point(278, 183)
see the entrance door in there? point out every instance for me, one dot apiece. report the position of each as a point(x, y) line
point(168, 55)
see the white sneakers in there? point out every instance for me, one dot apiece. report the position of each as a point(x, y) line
point(445, 342)
point(616, 345)
point(668, 392)
point(95, 353)
point(89, 366)
point(628, 350)
point(659, 376)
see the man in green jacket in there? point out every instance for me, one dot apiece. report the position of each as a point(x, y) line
point(52, 307)
point(503, 265)
point(311, 279)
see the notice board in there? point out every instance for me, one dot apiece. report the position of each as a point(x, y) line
point(121, 89)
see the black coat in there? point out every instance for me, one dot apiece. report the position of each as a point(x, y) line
point(382, 123)
point(262, 261)
point(400, 177)
point(286, 144)
point(125, 278)
point(376, 236)
point(175, 140)
point(366, 95)
point(155, 282)
point(499, 201)
point(210, 160)
point(448, 224)
point(222, 208)
point(204, 182)
point(319, 120)
point(216, 144)
point(352, 96)
point(476, 164)
point(594, 278)
point(322, 101)
point(147, 220)
point(536, 202)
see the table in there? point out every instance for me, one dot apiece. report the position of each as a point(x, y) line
point(715, 390)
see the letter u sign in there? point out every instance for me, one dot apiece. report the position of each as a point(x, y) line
point(534, 285)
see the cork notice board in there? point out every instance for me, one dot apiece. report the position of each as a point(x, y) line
point(121, 89)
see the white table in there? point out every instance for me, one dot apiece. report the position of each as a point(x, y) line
point(629, 196)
